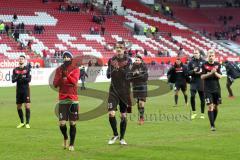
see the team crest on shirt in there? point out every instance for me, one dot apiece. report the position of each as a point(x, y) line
point(211, 67)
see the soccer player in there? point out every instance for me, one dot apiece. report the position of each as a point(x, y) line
point(139, 77)
point(82, 77)
point(211, 74)
point(196, 84)
point(119, 91)
point(66, 80)
point(21, 75)
point(233, 72)
point(179, 76)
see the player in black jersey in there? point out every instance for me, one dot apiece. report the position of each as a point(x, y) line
point(196, 84)
point(233, 72)
point(21, 75)
point(179, 76)
point(211, 74)
point(139, 77)
point(119, 91)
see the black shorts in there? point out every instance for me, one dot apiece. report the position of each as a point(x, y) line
point(68, 112)
point(213, 98)
point(123, 102)
point(182, 86)
point(23, 97)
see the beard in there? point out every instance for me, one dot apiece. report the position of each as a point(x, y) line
point(120, 55)
point(67, 63)
point(21, 64)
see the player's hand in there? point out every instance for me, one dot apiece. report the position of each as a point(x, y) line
point(19, 76)
point(115, 64)
point(213, 71)
point(136, 72)
point(195, 69)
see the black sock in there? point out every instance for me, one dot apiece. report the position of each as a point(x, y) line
point(176, 99)
point(123, 126)
point(202, 101)
point(211, 118)
point(72, 134)
point(215, 111)
point(141, 112)
point(20, 114)
point(27, 115)
point(64, 131)
point(113, 123)
point(185, 98)
point(193, 104)
point(202, 106)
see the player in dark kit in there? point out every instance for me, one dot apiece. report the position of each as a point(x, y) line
point(139, 77)
point(119, 91)
point(233, 72)
point(66, 80)
point(178, 75)
point(21, 75)
point(196, 84)
point(211, 74)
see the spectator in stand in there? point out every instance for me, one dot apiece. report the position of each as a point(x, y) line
point(29, 45)
point(90, 63)
point(160, 53)
point(12, 27)
point(115, 10)
point(62, 7)
point(91, 7)
point(130, 53)
point(136, 28)
point(96, 30)
point(145, 30)
point(153, 30)
point(15, 17)
point(2, 27)
point(7, 29)
point(103, 30)
point(145, 52)
point(180, 51)
point(22, 27)
point(92, 30)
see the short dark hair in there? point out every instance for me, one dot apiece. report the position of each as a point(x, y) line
point(138, 56)
point(22, 56)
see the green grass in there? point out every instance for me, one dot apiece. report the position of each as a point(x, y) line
point(165, 138)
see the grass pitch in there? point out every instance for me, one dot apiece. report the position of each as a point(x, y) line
point(168, 133)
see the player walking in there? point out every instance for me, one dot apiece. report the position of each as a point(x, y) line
point(119, 91)
point(66, 80)
point(139, 77)
point(211, 74)
point(179, 76)
point(21, 75)
point(196, 84)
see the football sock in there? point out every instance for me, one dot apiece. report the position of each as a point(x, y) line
point(27, 115)
point(20, 114)
point(176, 99)
point(123, 126)
point(185, 98)
point(64, 131)
point(193, 103)
point(113, 123)
point(72, 134)
point(211, 118)
point(215, 111)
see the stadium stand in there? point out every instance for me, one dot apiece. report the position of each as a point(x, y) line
point(71, 31)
